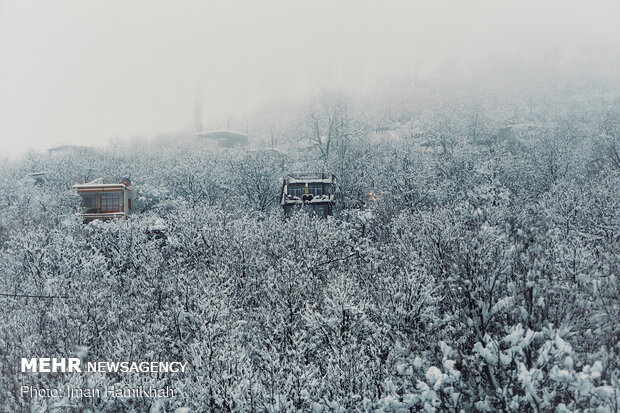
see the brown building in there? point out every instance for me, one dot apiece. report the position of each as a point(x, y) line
point(105, 198)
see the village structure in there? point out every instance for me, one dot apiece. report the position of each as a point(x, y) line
point(225, 138)
point(37, 177)
point(108, 198)
point(105, 198)
point(312, 192)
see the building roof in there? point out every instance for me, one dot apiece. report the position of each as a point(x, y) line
point(303, 178)
point(104, 183)
point(37, 177)
point(67, 147)
point(222, 134)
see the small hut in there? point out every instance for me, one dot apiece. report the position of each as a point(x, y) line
point(313, 192)
point(105, 198)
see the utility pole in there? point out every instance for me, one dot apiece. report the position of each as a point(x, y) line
point(198, 111)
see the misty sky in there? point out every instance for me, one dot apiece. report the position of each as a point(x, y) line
point(86, 71)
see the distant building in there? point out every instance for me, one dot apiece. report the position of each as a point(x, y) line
point(37, 177)
point(310, 192)
point(516, 134)
point(63, 149)
point(225, 138)
point(105, 198)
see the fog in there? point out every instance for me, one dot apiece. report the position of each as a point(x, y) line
point(85, 72)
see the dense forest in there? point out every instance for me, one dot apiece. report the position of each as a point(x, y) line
point(480, 275)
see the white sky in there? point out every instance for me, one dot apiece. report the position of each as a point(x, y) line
point(85, 71)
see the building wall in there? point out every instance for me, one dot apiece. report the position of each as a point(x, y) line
point(129, 205)
point(321, 209)
point(124, 203)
